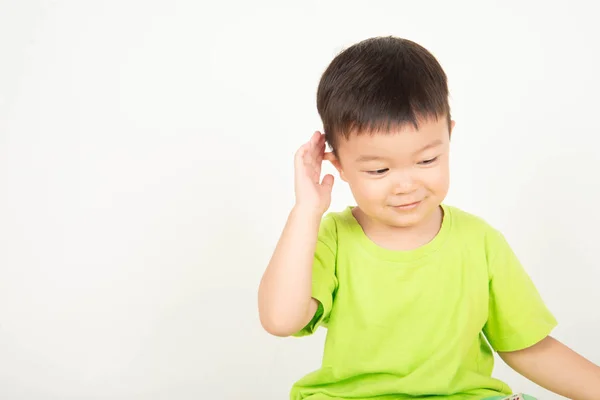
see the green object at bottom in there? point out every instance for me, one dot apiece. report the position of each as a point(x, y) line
point(527, 397)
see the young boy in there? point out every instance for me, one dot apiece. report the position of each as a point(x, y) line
point(416, 294)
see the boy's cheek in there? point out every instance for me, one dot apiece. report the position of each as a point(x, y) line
point(371, 191)
point(438, 181)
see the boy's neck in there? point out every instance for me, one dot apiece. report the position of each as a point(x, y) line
point(400, 238)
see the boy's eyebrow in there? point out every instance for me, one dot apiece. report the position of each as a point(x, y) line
point(366, 157)
point(428, 146)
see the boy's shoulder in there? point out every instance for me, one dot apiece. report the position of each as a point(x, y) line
point(339, 216)
point(334, 221)
point(473, 228)
point(467, 220)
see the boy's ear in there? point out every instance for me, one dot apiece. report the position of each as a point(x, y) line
point(452, 123)
point(336, 163)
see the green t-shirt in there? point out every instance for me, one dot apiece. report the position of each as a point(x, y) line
point(413, 324)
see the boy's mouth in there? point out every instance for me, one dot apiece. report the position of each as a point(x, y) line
point(407, 206)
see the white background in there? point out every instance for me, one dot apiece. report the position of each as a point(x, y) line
point(146, 156)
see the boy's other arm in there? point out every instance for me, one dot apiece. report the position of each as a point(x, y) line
point(284, 297)
point(557, 368)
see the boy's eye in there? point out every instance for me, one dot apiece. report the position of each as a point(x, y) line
point(378, 171)
point(426, 162)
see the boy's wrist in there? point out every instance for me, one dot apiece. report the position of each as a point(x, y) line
point(307, 213)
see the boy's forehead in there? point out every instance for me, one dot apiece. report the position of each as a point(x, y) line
point(406, 140)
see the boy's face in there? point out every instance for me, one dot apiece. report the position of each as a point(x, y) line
point(398, 178)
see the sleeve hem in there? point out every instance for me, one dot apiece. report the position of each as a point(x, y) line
point(520, 342)
point(316, 321)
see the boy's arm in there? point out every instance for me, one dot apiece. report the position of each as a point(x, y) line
point(557, 368)
point(285, 304)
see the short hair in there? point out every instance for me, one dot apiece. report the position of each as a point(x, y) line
point(379, 84)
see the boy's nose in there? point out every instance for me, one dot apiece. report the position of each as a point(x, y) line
point(404, 186)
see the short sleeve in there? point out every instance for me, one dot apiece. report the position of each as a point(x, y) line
point(324, 281)
point(518, 317)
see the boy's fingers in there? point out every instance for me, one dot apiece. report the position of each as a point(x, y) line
point(321, 152)
point(314, 139)
point(299, 156)
point(312, 151)
point(327, 181)
point(315, 142)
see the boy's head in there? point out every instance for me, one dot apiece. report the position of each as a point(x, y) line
point(386, 116)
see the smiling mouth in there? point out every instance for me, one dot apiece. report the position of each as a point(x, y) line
point(407, 206)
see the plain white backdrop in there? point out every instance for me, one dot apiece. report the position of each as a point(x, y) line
point(146, 154)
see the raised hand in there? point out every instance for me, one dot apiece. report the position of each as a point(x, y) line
point(312, 193)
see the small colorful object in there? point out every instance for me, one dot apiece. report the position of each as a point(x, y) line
point(517, 396)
